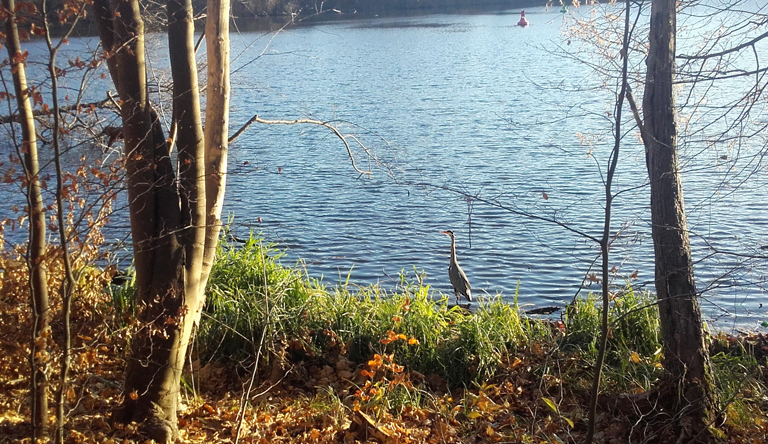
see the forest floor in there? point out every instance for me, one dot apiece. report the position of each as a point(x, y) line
point(321, 400)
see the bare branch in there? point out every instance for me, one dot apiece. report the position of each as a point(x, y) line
point(725, 52)
point(334, 130)
point(497, 204)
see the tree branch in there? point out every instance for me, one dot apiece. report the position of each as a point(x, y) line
point(724, 52)
point(15, 118)
point(334, 130)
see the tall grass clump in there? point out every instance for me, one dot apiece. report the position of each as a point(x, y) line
point(633, 354)
point(741, 385)
point(251, 300)
point(254, 301)
point(458, 345)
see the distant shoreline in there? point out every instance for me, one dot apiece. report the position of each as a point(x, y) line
point(272, 22)
point(340, 10)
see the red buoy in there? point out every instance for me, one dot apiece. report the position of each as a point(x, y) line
point(523, 21)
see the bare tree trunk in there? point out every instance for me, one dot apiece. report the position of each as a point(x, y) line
point(69, 283)
point(168, 217)
point(36, 250)
point(613, 160)
point(191, 149)
point(216, 124)
point(150, 394)
point(686, 359)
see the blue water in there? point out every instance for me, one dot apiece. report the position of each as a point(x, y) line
point(486, 109)
point(471, 124)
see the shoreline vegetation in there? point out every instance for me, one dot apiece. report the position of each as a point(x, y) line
point(335, 9)
point(280, 357)
point(270, 15)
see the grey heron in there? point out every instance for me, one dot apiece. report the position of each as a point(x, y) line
point(456, 274)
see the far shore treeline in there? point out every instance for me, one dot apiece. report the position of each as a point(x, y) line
point(306, 8)
point(277, 12)
point(262, 8)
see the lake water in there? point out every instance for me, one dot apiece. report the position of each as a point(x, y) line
point(458, 106)
point(474, 123)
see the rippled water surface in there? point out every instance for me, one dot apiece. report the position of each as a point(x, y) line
point(474, 124)
point(469, 117)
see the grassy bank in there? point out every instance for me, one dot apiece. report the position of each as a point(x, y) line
point(381, 353)
point(256, 306)
point(279, 357)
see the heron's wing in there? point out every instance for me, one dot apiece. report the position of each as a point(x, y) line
point(460, 281)
point(468, 288)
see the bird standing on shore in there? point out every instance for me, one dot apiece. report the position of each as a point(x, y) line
point(456, 274)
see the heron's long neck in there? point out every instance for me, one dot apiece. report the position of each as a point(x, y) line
point(453, 249)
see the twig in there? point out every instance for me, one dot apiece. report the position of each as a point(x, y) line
point(15, 118)
point(335, 130)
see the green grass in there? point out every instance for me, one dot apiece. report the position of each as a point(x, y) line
point(741, 386)
point(633, 354)
point(251, 294)
point(258, 307)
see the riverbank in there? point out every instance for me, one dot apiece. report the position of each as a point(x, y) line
point(281, 358)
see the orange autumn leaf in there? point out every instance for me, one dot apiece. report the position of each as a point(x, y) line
point(375, 362)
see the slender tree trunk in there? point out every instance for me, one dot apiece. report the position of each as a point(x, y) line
point(613, 160)
point(68, 283)
point(216, 124)
point(686, 359)
point(150, 391)
point(39, 356)
point(191, 148)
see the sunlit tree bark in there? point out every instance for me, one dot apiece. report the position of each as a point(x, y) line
point(168, 206)
point(216, 116)
point(36, 249)
point(686, 360)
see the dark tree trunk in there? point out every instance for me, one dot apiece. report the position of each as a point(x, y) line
point(168, 208)
point(38, 281)
point(151, 384)
point(686, 359)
